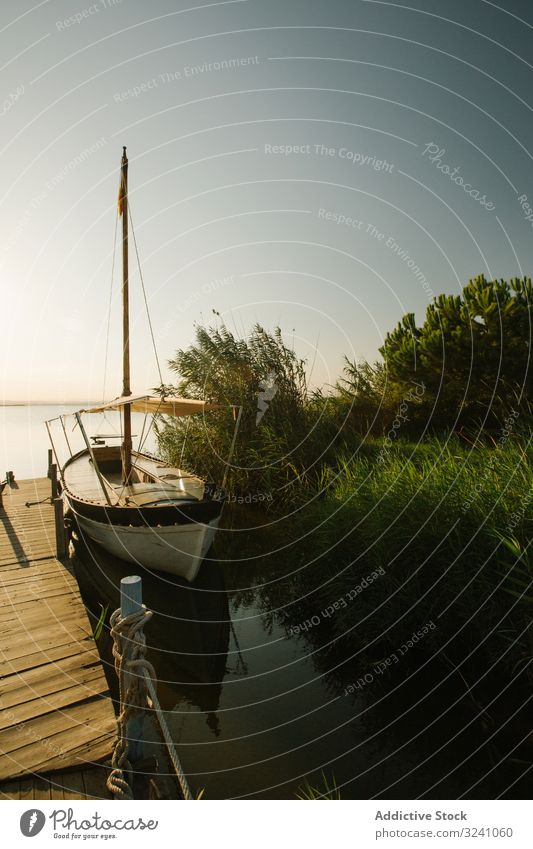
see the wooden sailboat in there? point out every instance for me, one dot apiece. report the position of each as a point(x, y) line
point(135, 506)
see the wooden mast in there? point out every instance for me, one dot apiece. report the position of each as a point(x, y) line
point(126, 389)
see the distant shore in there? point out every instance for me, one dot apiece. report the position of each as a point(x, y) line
point(46, 403)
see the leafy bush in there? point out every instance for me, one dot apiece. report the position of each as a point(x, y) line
point(284, 433)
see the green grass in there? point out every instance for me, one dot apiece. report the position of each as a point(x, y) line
point(324, 788)
point(448, 524)
point(101, 621)
point(438, 519)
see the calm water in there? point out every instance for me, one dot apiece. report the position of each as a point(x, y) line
point(255, 711)
point(24, 441)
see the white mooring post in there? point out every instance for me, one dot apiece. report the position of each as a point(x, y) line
point(131, 602)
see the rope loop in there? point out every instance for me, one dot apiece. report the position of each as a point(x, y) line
point(129, 650)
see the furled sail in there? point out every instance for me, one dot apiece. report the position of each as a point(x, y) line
point(155, 404)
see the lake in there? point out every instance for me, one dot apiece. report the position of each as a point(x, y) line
point(256, 711)
point(24, 441)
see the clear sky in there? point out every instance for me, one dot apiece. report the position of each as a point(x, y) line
point(325, 166)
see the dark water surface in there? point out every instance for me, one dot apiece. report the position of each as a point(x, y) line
point(255, 711)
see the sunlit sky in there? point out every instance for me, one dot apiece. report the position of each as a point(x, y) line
point(287, 166)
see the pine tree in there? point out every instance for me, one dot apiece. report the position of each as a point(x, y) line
point(472, 353)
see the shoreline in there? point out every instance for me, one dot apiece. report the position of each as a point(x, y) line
point(47, 403)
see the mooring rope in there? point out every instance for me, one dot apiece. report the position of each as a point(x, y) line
point(144, 296)
point(129, 650)
point(184, 785)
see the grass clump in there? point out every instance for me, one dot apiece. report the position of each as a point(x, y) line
point(324, 788)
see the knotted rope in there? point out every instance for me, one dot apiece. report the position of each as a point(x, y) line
point(129, 652)
point(129, 649)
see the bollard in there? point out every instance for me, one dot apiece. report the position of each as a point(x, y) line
point(52, 474)
point(61, 534)
point(131, 602)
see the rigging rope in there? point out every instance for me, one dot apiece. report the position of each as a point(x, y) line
point(145, 298)
point(143, 438)
point(150, 426)
point(142, 433)
point(129, 650)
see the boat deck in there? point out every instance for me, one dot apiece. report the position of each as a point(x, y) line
point(156, 480)
point(55, 709)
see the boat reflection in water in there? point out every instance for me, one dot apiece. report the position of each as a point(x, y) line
point(187, 638)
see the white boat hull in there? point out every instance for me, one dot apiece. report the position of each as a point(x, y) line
point(177, 549)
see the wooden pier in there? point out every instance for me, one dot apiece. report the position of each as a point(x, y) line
point(57, 722)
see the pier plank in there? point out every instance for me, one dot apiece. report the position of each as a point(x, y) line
point(88, 783)
point(73, 785)
point(89, 684)
point(41, 789)
point(35, 659)
point(95, 783)
point(33, 679)
point(26, 790)
point(55, 711)
point(10, 790)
